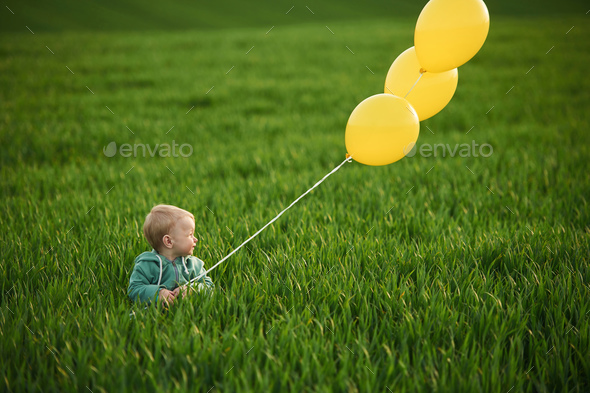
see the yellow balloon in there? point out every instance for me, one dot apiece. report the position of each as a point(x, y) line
point(380, 129)
point(432, 92)
point(450, 32)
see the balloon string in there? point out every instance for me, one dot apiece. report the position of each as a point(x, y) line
point(348, 159)
point(415, 83)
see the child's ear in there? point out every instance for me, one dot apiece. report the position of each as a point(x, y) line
point(167, 240)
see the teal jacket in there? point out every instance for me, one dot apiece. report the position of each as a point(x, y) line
point(153, 272)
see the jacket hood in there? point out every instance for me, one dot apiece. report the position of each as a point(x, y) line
point(155, 257)
point(148, 256)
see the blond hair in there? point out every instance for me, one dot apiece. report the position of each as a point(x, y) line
point(160, 221)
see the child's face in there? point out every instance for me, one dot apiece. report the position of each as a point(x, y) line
point(182, 235)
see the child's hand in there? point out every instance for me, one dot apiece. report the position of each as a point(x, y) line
point(167, 297)
point(183, 289)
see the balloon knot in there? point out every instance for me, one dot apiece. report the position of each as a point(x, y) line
point(348, 157)
point(422, 70)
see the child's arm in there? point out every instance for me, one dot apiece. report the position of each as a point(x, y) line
point(140, 288)
point(205, 279)
point(198, 268)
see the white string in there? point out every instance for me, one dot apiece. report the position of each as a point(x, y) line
point(415, 83)
point(348, 159)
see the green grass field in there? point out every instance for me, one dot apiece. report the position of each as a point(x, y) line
point(444, 274)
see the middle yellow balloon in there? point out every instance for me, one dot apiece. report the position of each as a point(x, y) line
point(381, 130)
point(432, 92)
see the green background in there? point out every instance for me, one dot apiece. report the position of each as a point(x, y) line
point(430, 274)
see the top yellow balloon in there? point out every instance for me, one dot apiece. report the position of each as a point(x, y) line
point(450, 32)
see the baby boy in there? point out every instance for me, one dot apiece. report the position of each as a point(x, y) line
point(164, 273)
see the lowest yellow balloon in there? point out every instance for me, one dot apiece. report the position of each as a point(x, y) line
point(450, 32)
point(381, 130)
point(432, 92)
